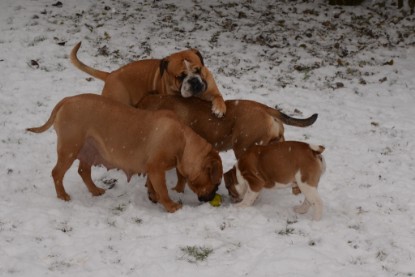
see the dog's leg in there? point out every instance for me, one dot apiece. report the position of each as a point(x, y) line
point(249, 198)
point(152, 194)
point(181, 183)
point(311, 198)
point(158, 181)
point(65, 160)
point(218, 106)
point(303, 208)
point(84, 170)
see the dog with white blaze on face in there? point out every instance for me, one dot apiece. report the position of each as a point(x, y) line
point(182, 73)
point(284, 164)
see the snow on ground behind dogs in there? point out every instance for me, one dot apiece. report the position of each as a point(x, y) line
point(354, 66)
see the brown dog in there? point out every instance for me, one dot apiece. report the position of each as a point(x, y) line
point(246, 123)
point(283, 164)
point(97, 130)
point(182, 73)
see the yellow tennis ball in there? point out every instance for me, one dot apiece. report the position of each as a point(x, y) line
point(216, 201)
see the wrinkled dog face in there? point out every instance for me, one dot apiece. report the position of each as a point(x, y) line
point(235, 184)
point(207, 182)
point(187, 74)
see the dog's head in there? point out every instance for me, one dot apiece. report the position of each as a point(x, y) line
point(186, 73)
point(235, 188)
point(206, 182)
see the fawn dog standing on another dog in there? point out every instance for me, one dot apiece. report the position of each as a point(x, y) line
point(283, 164)
point(182, 73)
point(97, 130)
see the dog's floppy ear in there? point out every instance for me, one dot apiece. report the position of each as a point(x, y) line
point(163, 66)
point(230, 178)
point(216, 172)
point(199, 55)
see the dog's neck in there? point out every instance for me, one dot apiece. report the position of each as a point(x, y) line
point(195, 151)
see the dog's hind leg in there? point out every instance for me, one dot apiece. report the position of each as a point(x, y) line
point(84, 170)
point(312, 198)
point(152, 194)
point(64, 162)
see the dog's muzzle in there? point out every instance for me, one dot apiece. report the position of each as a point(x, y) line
point(209, 197)
point(197, 85)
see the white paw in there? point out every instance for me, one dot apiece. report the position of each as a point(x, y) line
point(217, 112)
point(301, 209)
point(241, 205)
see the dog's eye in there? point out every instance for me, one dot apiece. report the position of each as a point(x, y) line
point(198, 70)
point(181, 77)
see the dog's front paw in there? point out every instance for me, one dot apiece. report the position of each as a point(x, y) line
point(172, 206)
point(97, 191)
point(218, 107)
point(64, 196)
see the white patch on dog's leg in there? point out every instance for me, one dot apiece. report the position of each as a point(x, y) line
point(242, 184)
point(312, 198)
point(244, 190)
point(249, 198)
point(303, 208)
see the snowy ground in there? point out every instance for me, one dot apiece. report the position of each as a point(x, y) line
point(355, 66)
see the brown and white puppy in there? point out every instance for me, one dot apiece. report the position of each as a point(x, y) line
point(284, 164)
point(99, 131)
point(182, 73)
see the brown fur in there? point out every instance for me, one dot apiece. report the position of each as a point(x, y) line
point(97, 130)
point(246, 123)
point(130, 83)
point(264, 166)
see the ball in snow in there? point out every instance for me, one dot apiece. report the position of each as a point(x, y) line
point(216, 201)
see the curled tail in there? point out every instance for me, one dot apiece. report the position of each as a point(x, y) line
point(48, 123)
point(102, 75)
point(317, 150)
point(288, 120)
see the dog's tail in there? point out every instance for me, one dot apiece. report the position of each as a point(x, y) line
point(102, 75)
point(317, 150)
point(50, 121)
point(288, 120)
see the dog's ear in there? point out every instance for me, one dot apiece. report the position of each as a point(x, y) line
point(216, 172)
point(164, 63)
point(230, 178)
point(199, 55)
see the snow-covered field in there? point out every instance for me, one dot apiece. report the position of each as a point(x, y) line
point(354, 66)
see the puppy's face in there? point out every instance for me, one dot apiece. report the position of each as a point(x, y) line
point(186, 73)
point(206, 183)
point(235, 184)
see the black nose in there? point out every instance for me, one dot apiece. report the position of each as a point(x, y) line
point(209, 197)
point(196, 85)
